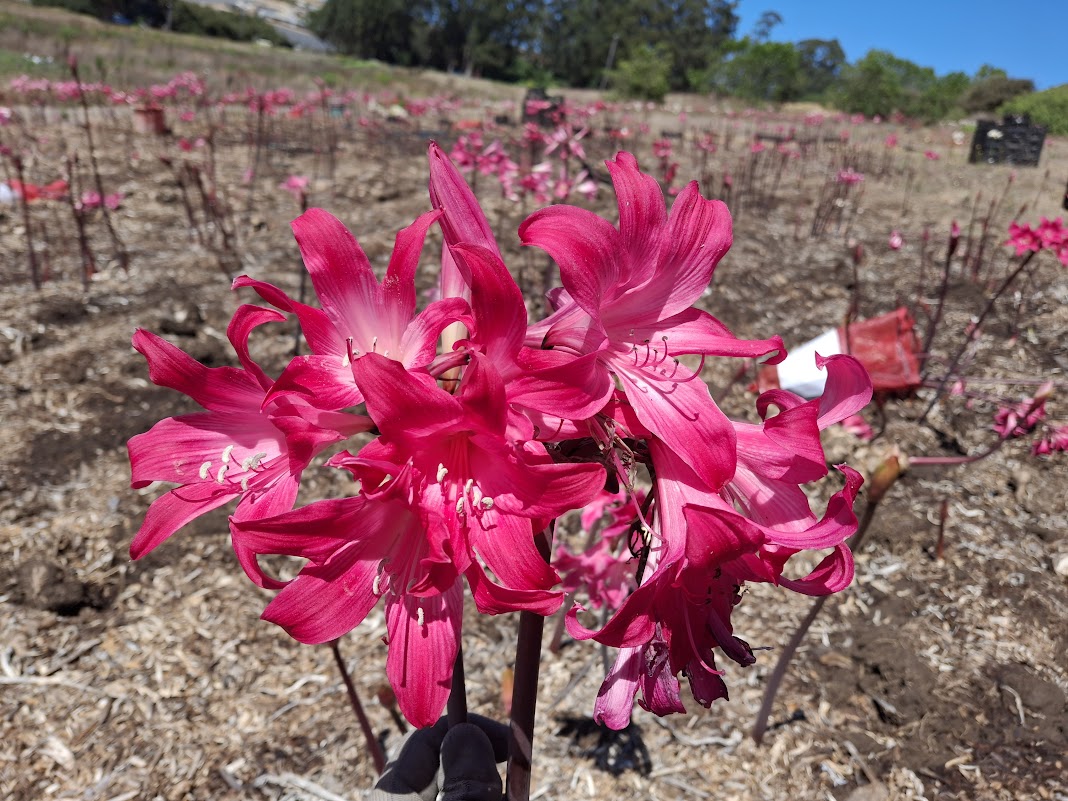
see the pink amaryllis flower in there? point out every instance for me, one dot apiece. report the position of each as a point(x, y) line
point(627, 297)
point(445, 493)
point(359, 314)
point(705, 544)
point(241, 447)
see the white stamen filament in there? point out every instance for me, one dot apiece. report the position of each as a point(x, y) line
point(420, 617)
point(385, 481)
point(244, 484)
point(220, 477)
point(374, 344)
point(375, 585)
point(226, 453)
point(442, 472)
point(487, 503)
point(204, 468)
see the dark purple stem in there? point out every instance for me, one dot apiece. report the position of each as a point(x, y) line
point(456, 711)
point(373, 745)
point(525, 696)
point(975, 333)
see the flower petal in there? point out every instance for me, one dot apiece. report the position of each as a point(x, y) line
point(683, 414)
point(223, 389)
point(422, 649)
point(170, 512)
point(585, 247)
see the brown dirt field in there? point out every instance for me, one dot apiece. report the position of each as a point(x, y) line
point(937, 679)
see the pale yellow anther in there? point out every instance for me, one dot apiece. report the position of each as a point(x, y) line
point(204, 468)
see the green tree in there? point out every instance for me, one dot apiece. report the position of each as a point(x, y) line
point(764, 26)
point(379, 29)
point(881, 83)
point(644, 74)
point(766, 71)
point(822, 61)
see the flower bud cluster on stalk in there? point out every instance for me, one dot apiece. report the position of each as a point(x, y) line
point(485, 428)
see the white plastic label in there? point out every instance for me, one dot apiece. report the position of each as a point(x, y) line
point(798, 372)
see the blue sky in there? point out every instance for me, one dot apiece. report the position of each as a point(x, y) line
point(1027, 38)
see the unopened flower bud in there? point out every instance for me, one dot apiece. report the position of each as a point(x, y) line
point(884, 476)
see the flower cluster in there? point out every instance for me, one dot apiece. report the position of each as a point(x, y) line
point(1049, 235)
point(467, 430)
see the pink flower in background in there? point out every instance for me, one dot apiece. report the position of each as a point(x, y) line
point(890, 141)
point(1023, 238)
point(1056, 439)
point(1021, 419)
point(858, 427)
point(931, 155)
point(849, 177)
point(296, 185)
point(895, 241)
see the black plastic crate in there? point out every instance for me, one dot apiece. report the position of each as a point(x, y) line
point(1013, 141)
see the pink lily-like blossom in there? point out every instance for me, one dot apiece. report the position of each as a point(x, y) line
point(628, 296)
point(359, 315)
point(445, 493)
point(241, 447)
point(708, 543)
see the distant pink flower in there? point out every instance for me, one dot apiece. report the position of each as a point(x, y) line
point(858, 427)
point(895, 242)
point(931, 155)
point(1023, 238)
point(849, 177)
point(1021, 419)
point(890, 141)
point(1056, 439)
point(296, 185)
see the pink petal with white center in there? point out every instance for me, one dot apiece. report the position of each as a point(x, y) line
point(642, 216)
point(848, 389)
point(683, 415)
point(176, 449)
point(170, 512)
point(424, 637)
point(585, 246)
point(221, 389)
point(339, 270)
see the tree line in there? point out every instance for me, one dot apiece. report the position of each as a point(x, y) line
point(646, 48)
